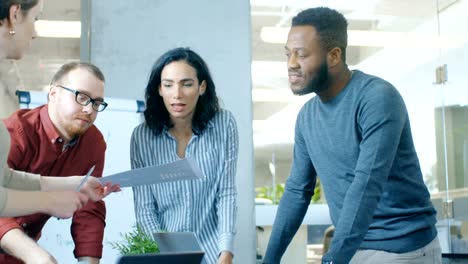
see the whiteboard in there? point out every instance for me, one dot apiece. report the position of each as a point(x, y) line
point(116, 124)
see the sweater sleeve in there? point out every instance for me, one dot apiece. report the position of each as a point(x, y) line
point(381, 117)
point(295, 201)
point(6, 224)
point(3, 199)
point(21, 180)
point(10, 178)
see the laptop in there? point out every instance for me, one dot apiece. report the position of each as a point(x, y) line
point(163, 258)
point(174, 248)
point(177, 242)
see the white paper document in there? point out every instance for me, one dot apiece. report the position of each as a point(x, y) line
point(184, 169)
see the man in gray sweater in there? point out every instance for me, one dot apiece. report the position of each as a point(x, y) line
point(356, 136)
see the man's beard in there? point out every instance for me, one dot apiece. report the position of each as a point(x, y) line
point(318, 83)
point(74, 130)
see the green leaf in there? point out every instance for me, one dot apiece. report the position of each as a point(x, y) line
point(135, 242)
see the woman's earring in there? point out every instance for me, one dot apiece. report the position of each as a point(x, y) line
point(12, 32)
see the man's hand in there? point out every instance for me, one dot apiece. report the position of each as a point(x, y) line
point(95, 191)
point(225, 258)
point(62, 204)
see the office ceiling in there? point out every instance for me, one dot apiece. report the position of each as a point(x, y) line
point(47, 54)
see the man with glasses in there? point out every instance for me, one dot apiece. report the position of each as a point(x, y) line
point(59, 138)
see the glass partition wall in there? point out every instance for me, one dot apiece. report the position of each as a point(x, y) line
point(423, 54)
point(451, 124)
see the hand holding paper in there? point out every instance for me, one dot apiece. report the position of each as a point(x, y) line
point(184, 169)
point(93, 188)
point(96, 191)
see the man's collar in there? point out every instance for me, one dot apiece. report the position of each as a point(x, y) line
point(49, 127)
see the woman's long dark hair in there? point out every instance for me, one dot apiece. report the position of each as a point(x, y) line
point(156, 114)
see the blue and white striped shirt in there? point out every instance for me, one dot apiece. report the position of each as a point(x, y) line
point(207, 207)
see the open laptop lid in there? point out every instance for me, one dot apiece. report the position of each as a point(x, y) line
point(163, 258)
point(177, 242)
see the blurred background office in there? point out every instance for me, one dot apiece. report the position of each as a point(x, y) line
point(422, 53)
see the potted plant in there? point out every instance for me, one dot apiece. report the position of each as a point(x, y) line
point(136, 242)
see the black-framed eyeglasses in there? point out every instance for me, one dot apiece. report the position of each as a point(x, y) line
point(83, 99)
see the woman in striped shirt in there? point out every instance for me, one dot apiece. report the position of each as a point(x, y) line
point(183, 119)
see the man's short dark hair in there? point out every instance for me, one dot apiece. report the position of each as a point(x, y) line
point(331, 26)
